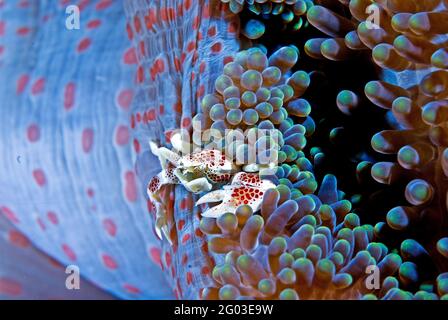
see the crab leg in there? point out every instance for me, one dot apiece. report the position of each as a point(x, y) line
point(166, 176)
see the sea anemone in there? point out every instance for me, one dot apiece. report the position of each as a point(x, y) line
point(408, 39)
point(259, 15)
point(306, 247)
point(258, 97)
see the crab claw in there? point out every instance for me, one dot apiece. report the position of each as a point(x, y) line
point(251, 180)
point(198, 185)
point(165, 154)
point(246, 189)
point(214, 196)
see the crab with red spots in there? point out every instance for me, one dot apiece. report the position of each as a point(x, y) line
point(197, 172)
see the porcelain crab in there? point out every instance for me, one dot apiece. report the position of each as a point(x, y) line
point(197, 172)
